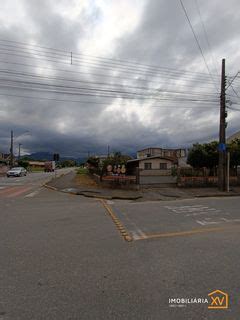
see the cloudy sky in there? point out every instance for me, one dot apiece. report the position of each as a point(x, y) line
point(80, 75)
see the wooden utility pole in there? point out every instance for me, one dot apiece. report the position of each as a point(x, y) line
point(11, 150)
point(19, 151)
point(222, 166)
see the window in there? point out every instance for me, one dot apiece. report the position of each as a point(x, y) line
point(163, 166)
point(147, 166)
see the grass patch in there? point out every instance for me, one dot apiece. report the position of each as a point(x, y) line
point(36, 170)
point(82, 171)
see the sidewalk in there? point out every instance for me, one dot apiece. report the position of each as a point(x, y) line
point(85, 186)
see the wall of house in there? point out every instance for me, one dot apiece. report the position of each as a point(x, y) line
point(159, 180)
point(156, 172)
point(155, 164)
point(149, 151)
point(179, 153)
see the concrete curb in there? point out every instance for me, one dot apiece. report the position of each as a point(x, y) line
point(92, 194)
point(49, 187)
point(45, 184)
point(217, 195)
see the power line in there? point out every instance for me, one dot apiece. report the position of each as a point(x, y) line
point(206, 37)
point(103, 59)
point(198, 44)
point(90, 102)
point(156, 90)
point(128, 96)
point(102, 75)
point(111, 68)
point(230, 83)
point(142, 68)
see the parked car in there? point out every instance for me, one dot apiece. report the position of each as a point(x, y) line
point(17, 172)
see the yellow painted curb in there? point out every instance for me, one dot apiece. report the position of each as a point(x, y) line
point(117, 222)
point(186, 233)
point(128, 238)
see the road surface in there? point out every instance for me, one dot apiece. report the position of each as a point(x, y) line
point(62, 257)
point(28, 185)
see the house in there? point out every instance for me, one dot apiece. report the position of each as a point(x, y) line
point(234, 136)
point(36, 165)
point(174, 153)
point(156, 165)
point(152, 165)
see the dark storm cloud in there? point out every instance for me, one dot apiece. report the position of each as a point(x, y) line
point(162, 38)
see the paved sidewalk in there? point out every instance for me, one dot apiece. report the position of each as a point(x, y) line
point(69, 183)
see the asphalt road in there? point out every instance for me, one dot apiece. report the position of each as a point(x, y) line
point(28, 185)
point(62, 257)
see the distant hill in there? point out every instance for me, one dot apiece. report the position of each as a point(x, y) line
point(47, 156)
point(39, 156)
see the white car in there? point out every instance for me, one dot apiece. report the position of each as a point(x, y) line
point(17, 172)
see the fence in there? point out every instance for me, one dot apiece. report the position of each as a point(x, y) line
point(204, 181)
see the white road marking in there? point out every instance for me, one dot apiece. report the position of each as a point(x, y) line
point(33, 194)
point(207, 221)
point(137, 236)
point(212, 215)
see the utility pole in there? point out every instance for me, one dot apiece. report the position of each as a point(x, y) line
point(108, 153)
point(222, 166)
point(19, 151)
point(11, 150)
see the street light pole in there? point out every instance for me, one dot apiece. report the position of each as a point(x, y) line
point(11, 147)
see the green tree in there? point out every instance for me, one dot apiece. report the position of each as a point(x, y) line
point(93, 161)
point(68, 163)
point(203, 155)
point(197, 156)
point(23, 163)
point(234, 149)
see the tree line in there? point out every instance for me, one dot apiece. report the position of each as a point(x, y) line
point(206, 155)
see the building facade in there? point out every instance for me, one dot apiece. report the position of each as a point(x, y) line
point(150, 152)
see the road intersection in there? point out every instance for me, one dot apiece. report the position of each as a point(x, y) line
point(145, 220)
point(26, 186)
point(62, 256)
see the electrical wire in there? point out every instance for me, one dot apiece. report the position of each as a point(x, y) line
point(95, 102)
point(153, 90)
point(206, 37)
point(112, 76)
point(112, 69)
point(121, 61)
point(198, 44)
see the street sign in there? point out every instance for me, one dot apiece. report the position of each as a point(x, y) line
point(222, 147)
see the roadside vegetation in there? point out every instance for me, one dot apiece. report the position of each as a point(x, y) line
point(206, 155)
point(82, 170)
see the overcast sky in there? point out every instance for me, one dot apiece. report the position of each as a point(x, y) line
point(113, 45)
